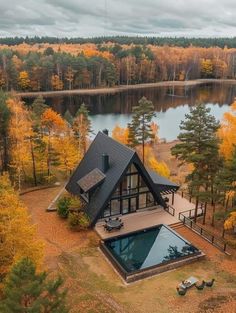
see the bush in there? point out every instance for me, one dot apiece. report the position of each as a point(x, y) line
point(78, 220)
point(63, 207)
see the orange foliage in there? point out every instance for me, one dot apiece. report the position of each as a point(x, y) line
point(120, 134)
point(227, 132)
point(53, 120)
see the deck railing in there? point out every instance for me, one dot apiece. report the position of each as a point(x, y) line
point(186, 218)
point(170, 210)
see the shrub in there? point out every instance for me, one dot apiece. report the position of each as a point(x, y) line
point(63, 207)
point(78, 220)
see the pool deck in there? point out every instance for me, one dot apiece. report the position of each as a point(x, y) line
point(147, 218)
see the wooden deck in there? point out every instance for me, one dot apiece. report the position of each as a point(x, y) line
point(147, 218)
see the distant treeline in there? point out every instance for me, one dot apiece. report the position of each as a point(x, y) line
point(47, 67)
point(127, 40)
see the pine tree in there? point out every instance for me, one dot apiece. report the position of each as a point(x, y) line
point(27, 291)
point(199, 147)
point(38, 107)
point(140, 130)
point(68, 117)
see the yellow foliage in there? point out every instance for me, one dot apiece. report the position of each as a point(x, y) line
point(120, 134)
point(67, 150)
point(17, 234)
point(207, 67)
point(23, 80)
point(230, 223)
point(160, 167)
point(20, 130)
point(227, 132)
point(56, 82)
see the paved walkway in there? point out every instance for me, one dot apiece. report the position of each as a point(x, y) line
point(147, 218)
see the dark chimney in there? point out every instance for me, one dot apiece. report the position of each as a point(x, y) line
point(105, 162)
point(105, 131)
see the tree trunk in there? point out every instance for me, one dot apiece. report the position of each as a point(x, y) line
point(196, 209)
point(204, 214)
point(33, 162)
point(213, 215)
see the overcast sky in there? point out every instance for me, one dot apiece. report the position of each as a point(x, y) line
point(88, 18)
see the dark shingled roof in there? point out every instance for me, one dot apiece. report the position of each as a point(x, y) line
point(120, 158)
point(164, 185)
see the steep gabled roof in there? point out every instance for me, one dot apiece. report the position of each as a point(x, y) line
point(120, 158)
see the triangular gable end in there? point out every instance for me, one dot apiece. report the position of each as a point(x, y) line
point(145, 176)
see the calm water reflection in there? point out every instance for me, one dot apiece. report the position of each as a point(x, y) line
point(171, 105)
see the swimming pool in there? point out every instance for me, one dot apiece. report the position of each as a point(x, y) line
point(148, 251)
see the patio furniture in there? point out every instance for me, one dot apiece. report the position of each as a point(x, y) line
point(201, 286)
point(181, 292)
point(188, 282)
point(112, 224)
point(210, 283)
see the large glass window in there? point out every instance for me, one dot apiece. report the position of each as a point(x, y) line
point(142, 201)
point(131, 195)
point(115, 206)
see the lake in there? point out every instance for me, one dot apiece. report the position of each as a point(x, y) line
point(171, 105)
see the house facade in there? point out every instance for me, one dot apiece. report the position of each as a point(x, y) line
point(113, 181)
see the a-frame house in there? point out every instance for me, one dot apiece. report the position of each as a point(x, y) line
point(113, 181)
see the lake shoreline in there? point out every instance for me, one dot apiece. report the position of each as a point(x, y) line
point(121, 88)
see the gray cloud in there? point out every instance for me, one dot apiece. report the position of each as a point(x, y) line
point(82, 18)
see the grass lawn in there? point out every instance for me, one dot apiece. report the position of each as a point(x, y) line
point(93, 286)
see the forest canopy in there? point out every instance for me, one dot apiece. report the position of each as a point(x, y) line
point(230, 42)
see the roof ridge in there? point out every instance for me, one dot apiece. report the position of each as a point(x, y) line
point(116, 142)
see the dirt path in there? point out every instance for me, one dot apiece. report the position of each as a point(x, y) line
point(109, 90)
point(52, 229)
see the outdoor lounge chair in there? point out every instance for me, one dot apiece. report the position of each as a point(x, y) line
point(210, 283)
point(201, 286)
point(181, 292)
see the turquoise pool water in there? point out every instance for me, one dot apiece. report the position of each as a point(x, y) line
point(146, 248)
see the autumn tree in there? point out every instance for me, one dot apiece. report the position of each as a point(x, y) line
point(140, 131)
point(23, 80)
point(159, 167)
point(120, 134)
point(206, 68)
point(82, 127)
point(199, 147)
point(4, 128)
point(20, 130)
point(67, 152)
point(17, 234)
point(26, 290)
point(227, 133)
point(53, 125)
point(56, 82)
point(230, 222)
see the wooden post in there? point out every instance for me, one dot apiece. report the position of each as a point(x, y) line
point(173, 198)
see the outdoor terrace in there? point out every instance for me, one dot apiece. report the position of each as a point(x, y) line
point(148, 218)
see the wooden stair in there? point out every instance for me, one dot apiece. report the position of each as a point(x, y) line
point(176, 225)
